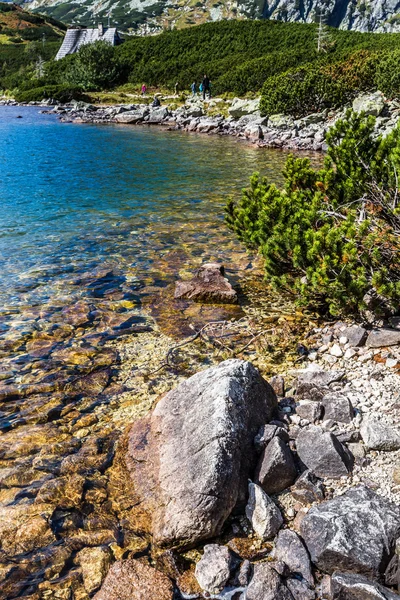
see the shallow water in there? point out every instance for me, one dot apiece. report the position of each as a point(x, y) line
point(96, 224)
point(75, 197)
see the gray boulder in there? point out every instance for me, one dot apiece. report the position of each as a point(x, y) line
point(348, 586)
point(370, 104)
point(322, 453)
point(356, 335)
point(265, 517)
point(157, 115)
point(299, 589)
point(318, 376)
point(214, 568)
point(310, 410)
point(379, 338)
point(132, 116)
point(240, 107)
point(355, 532)
point(379, 436)
point(280, 122)
point(266, 433)
point(266, 584)
point(290, 549)
point(276, 470)
point(338, 408)
point(190, 460)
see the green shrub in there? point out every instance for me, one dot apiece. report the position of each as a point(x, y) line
point(61, 93)
point(330, 235)
point(313, 87)
point(94, 67)
point(387, 78)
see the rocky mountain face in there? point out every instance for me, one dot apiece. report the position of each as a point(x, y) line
point(149, 16)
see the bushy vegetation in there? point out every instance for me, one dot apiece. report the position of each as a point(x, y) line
point(61, 93)
point(330, 235)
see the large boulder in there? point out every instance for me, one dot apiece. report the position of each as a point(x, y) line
point(132, 116)
point(157, 115)
point(209, 285)
point(370, 104)
point(348, 586)
point(354, 532)
point(214, 568)
point(240, 107)
point(379, 338)
point(290, 549)
point(133, 580)
point(191, 458)
point(267, 584)
point(322, 453)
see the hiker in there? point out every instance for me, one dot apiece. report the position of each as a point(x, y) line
point(156, 103)
point(144, 90)
point(176, 89)
point(206, 87)
point(193, 88)
point(201, 88)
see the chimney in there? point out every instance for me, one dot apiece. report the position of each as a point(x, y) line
point(101, 29)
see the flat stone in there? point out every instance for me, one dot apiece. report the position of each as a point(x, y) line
point(377, 435)
point(379, 338)
point(318, 376)
point(370, 104)
point(265, 517)
point(190, 460)
point(276, 470)
point(356, 335)
point(310, 410)
point(214, 568)
point(207, 286)
point(322, 453)
point(266, 584)
point(133, 580)
point(290, 549)
point(338, 408)
point(336, 351)
point(346, 533)
point(349, 586)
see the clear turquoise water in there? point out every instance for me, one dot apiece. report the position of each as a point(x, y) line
point(77, 197)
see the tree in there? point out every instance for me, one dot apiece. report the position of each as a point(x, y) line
point(331, 235)
point(94, 67)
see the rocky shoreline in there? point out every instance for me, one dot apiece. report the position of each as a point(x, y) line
point(238, 118)
point(292, 481)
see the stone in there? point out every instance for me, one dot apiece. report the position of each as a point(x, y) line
point(376, 435)
point(370, 104)
point(318, 376)
point(280, 122)
point(345, 533)
point(350, 586)
point(207, 286)
point(132, 116)
point(336, 351)
point(308, 489)
point(190, 460)
point(379, 338)
point(240, 107)
point(94, 563)
point(299, 589)
point(25, 527)
point(266, 433)
point(157, 115)
point(338, 408)
point(322, 453)
point(276, 470)
point(277, 382)
point(265, 517)
point(356, 335)
point(133, 580)
point(63, 492)
point(266, 584)
point(290, 549)
point(307, 409)
point(214, 568)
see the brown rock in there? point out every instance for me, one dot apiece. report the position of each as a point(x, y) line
point(134, 580)
point(64, 492)
point(207, 286)
point(94, 563)
point(24, 528)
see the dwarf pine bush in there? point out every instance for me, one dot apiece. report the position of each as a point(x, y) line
point(330, 235)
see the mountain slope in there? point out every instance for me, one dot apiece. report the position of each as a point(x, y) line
point(18, 26)
point(152, 15)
